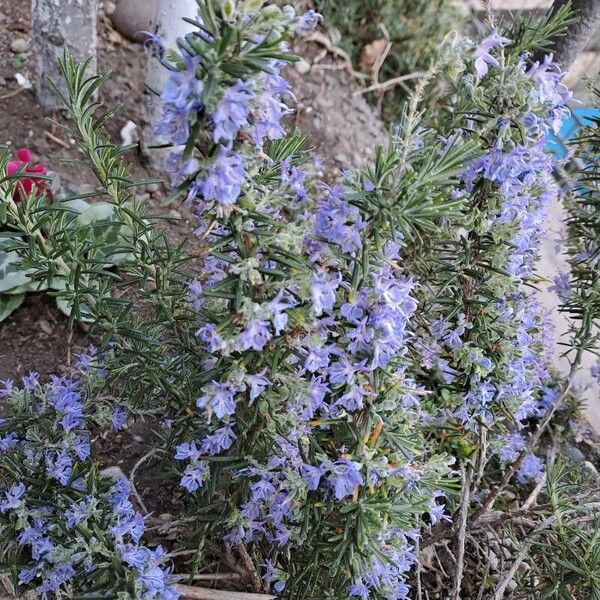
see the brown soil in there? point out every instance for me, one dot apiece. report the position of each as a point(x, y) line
point(339, 123)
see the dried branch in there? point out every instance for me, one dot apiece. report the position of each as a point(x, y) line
point(462, 532)
point(196, 593)
point(390, 83)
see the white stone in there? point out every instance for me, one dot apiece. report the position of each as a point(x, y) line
point(19, 45)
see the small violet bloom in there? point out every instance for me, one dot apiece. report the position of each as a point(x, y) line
point(483, 58)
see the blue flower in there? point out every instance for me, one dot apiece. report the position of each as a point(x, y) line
point(224, 179)
point(220, 398)
point(34, 537)
point(258, 383)
point(31, 381)
point(154, 42)
point(180, 169)
point(174, 124)
point(118, 419)
point(81, 447)
point(209, 336)
point(531, 468)
point(9, 441)
point(255, 335)
point(66, 399)
point(339, 222)
point(514, 444)
point(312, 475)
point(308, 21)
point(56, 577)
point(345, 477)
point(183, 86)
point(60, 467)
point(483, 58)
point(271, 109)
point(231, 113)
point(359, 590)
point(194, 476)
point(78, 512)
point(277, 308)
point(323, 290)
point(13, 497)
point(187, 451)
point(128, 523)
point(274, 577)
point(27, 575)
point(220, 440)
point(562, 286)
point(7, 387)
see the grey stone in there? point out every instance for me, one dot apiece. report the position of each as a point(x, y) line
point(2, 81)
point(575, 454)
point(302, 66)
point(19, 45)
point(132, 16)
point(113, 473)
point(68, 24)
point(152, 188)
point(109, 7)
point(591, 468)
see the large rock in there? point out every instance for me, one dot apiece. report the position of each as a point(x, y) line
point(132, 16)
point(61, 25)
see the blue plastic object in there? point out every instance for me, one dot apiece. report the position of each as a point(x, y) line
point(581, 117)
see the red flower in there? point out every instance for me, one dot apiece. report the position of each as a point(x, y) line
point(23, 166)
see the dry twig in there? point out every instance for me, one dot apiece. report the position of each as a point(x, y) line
point(56, 140)
point(462, 532)
point(132, 478)
point(196, 593)
point(249, 568)
point(13, 93)
point(523, 552)
point(390, 83)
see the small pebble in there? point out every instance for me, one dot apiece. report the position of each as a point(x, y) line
point(575, 454)
point(2, 81)
point(591, 467)
point(302, 66)
point(19, 45)
point(113, 473)
point(109, 7)
point(129, 133)
point(152, 188)
point(23, 81)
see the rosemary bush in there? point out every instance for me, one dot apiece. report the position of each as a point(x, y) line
point(340, 377)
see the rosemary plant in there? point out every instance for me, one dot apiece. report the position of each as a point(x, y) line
point(330, 360)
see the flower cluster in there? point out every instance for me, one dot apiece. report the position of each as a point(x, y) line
point(65, 520)
point(332, 304)
point(255, 105)
point(491, 357)
point(336, 325)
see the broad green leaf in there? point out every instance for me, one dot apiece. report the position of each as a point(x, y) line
point(12, 276)
point(9, 303)
point(106, 234)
